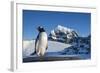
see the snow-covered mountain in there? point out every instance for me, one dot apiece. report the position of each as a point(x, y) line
point(63, 34)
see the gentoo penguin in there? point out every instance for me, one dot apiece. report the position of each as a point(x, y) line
point(41, 42)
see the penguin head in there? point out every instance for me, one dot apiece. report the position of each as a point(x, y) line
point(41, 29)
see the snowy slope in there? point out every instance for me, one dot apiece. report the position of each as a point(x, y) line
point(28, 47)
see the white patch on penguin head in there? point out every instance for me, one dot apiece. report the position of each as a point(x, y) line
point(41, 29)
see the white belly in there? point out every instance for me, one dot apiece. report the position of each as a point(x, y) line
point(42, 44)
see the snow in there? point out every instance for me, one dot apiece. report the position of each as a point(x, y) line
point(63, 34)
point(27, 44)
point(57, 49)
point(63, 29)
point(28, 47)
point(54, 46)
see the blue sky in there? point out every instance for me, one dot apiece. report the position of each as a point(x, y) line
point(81, 22)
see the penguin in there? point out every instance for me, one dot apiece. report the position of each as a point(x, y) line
point(41, 42)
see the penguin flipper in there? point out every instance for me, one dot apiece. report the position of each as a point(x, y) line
point(47, 46)
point(33, 53)
point(36, 44)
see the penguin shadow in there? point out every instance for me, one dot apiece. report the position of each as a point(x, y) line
point(35, 58)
